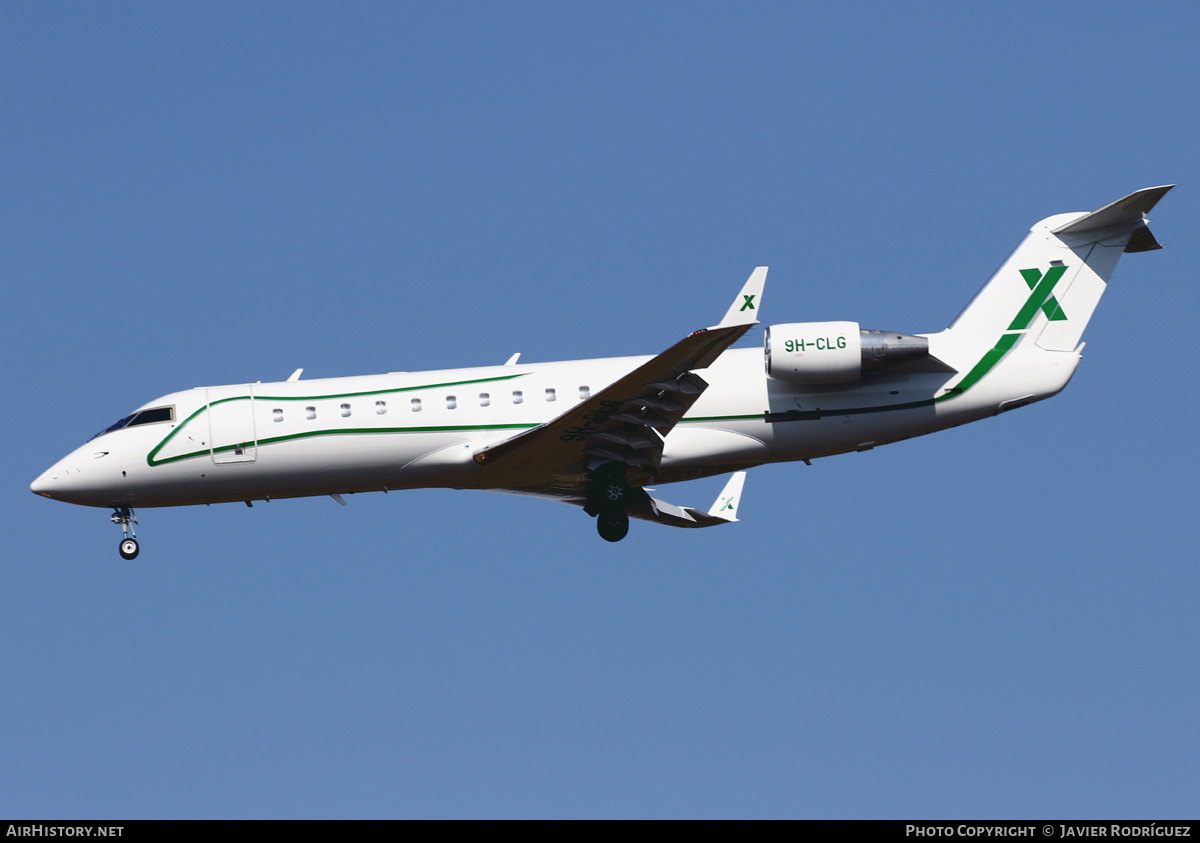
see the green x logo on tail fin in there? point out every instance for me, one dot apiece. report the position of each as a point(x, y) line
point(1049, 304)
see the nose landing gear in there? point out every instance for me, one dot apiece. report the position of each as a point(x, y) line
point(125, 516)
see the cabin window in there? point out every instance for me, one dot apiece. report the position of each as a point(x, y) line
point(310, 413)
point(550, 396)
point(416, 405)
point(485, 400)
point(277, 414)
point(451, 402)
point(380, 408)
point(584, 393)
point(518, 396)
point(345, 411)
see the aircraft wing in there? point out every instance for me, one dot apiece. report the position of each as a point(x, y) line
point(625, 423)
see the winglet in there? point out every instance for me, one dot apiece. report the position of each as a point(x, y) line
point(726, 504)
point(744, 310)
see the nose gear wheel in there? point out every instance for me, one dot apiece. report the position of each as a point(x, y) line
point(125, 516)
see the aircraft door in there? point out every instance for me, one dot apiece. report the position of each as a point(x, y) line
point(231, 434)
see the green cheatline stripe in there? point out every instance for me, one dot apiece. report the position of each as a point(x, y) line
point(449, 428)
point(150, 457)
point(365, 394)
point(985, 365)
point(819, 413)
point(751, 417)
point(883, 408)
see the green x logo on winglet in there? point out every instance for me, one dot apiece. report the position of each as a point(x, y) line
point(749, 305)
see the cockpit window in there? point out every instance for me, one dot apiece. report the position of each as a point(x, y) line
point(158, 414)
point(151, 416)
point(116, 426)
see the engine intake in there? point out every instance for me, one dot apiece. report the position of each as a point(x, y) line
point(835, 352)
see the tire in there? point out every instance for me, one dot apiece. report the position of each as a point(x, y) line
point(129, 548)
point(612, 526)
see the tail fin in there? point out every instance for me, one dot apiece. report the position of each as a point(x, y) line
point(1049, 286)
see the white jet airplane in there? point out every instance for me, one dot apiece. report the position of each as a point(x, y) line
point(596, 433)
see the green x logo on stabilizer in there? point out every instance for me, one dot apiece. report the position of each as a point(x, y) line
point(749, 305)
point(1050, 305)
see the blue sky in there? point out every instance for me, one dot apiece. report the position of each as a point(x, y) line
point(995, 621)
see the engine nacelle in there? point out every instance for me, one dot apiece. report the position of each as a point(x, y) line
point(814, 352)
point(835, 352)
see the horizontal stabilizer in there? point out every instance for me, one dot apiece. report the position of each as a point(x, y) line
point(723, 511)
point(1119, 217)
point(726, 504)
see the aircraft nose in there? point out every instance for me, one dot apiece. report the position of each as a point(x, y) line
point(83, 477)
point(62, 481)
point(50, 484)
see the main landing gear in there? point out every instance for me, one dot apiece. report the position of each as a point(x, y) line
point(124, 516)
point(609, 495)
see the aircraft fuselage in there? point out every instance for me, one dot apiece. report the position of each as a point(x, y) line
point(412, 430)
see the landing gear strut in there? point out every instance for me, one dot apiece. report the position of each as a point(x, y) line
point(124, 516)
